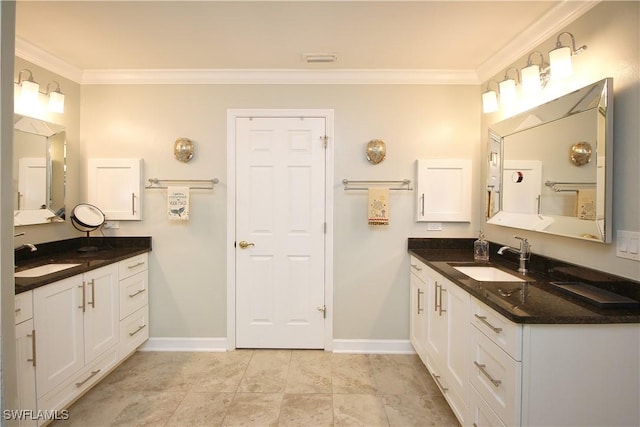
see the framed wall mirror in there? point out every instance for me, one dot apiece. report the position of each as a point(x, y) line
point(39, 168)
point(550, 168)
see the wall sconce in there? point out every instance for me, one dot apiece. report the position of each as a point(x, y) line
point(56, 98)
point(30, 90)
point(508, 88)
point(534, 77)
point(490, 99)
point(560, 57)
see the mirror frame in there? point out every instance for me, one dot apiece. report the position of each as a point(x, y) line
point(48, 131)
point(598, 97)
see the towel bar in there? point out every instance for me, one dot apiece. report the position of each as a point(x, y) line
point(404, 184)
point(155, 183)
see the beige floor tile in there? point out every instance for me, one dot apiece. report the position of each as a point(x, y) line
point(299, 410)
point(148, 408)
point(359, 410)
point(266, 372)
point(309, 372)
point(399, 374)
point(254, 409)
point(201, 409)
point(96, 408)
point(219, 372)
point(416, 410)
point(352, 373)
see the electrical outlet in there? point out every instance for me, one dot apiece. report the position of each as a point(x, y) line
point(111, 224)
point(627, 243)
point(434, 226)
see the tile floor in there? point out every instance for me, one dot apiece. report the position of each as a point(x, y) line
point(264, 388)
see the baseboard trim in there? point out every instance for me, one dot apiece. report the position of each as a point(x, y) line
point(373, 346)
point(185, 344)
point(220, 345)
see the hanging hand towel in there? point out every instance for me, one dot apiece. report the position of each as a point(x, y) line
point(178, 203)
point(586, 204)
point(378, 206)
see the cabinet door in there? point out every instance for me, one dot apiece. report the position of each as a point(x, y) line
point(58, 318)
point(436, 324)
point(456, 368)
point(114, 186)
point(418, 317)
point(443, 190)
point(25, 370)
point(101, 330)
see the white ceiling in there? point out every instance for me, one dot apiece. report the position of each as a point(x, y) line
point(464, 40)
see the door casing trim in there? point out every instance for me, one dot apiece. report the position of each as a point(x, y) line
point(232, 115)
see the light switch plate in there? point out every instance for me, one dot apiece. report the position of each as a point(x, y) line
point(627, 244)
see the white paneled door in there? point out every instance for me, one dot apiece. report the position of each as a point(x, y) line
point(280, 237)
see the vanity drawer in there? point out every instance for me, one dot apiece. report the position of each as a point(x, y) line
point(505, 333)
point(418, 268)
point(496, 377)
point(24, 306)
point(133, 265)
point(133, 293)
point(480, 414)
point(134, 330)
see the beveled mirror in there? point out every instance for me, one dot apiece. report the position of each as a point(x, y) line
point(39, 168)
point(551, 167)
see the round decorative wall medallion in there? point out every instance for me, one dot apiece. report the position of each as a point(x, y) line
point(580, 153)
point(183, 149)
point(376, 151)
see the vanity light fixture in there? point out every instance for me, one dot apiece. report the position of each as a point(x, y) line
point(490, 99)
point(534, 76)
point(508, 88)
point(29, 88)
point(560, 57)
point(56, 98)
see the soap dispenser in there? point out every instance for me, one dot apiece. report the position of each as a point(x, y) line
point(481, 248)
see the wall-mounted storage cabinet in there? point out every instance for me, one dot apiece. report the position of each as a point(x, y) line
point(443, 190)
point(115, 187)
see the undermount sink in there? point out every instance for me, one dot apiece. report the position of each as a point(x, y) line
point(43, 270)
point(488, 274)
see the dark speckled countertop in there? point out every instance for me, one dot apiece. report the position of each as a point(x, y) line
point(109, 250)
point(536, 300)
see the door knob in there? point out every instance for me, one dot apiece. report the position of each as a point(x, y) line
point(245, 245)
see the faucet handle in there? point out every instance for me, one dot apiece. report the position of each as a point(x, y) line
point(525, 247)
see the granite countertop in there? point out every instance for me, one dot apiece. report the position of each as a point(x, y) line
point(109, 250)
point(536, 300)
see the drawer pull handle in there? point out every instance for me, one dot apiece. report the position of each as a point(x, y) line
point(93, 374)
point(136, 265)
point(18, 310)
point(420, 309)
point(496, 383)
point(32, 335)
point(84, 297)
point(415, 267)
point(137, 293)
point(437, 378)
point(137, 330)
point(92, 303)
point(483, 319)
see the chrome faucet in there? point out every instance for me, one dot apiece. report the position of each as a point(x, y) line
point(31, 247)
point(524, 253)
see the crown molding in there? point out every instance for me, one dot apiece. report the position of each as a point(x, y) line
point(32, 53)
point(546, 27)
point(279, 76)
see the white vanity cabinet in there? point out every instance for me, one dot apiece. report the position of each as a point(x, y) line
point(446, 339)
point(25, 361)
point(115, 186)
point(495, 372)
point(76, 321)
point(134, 304)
